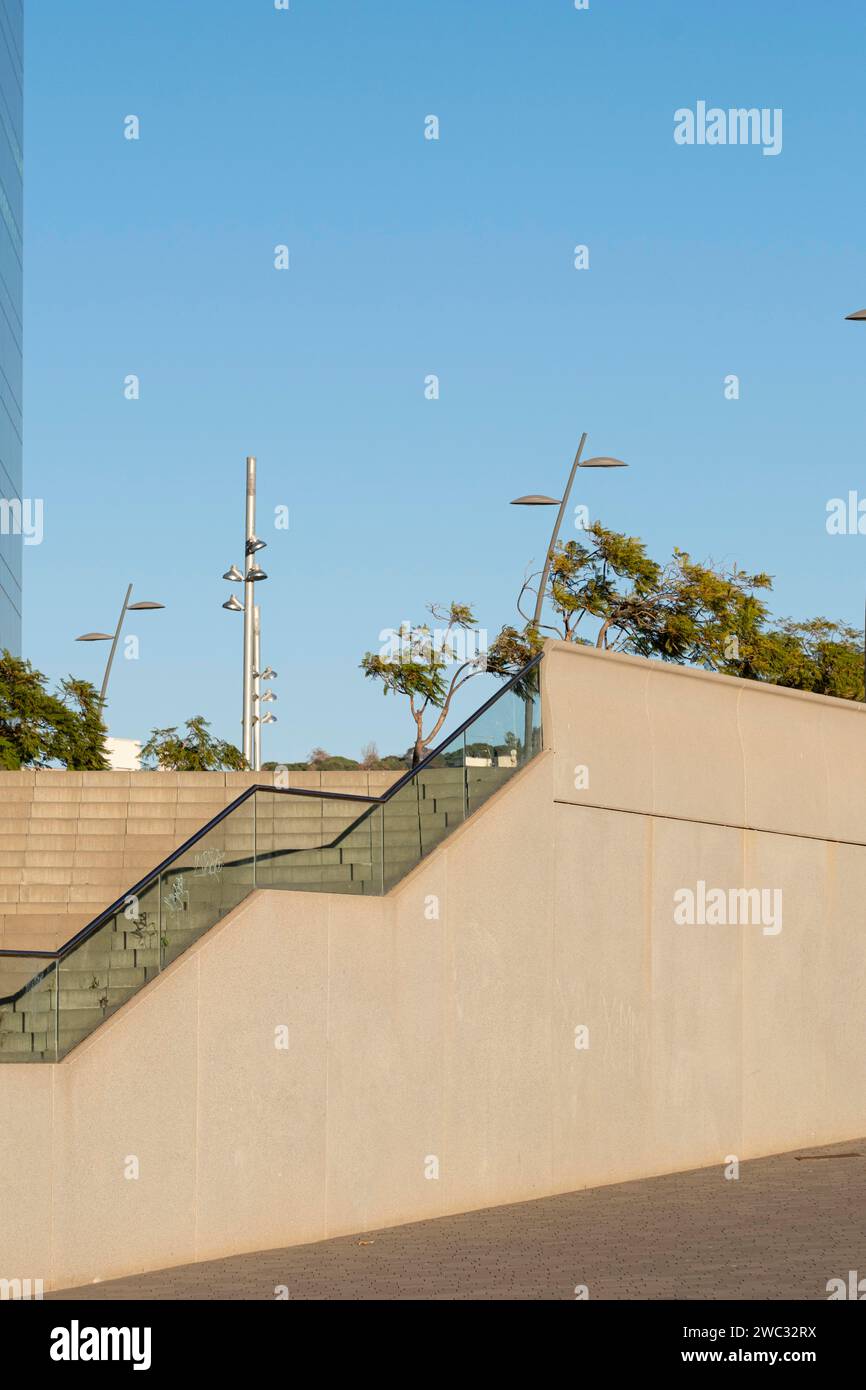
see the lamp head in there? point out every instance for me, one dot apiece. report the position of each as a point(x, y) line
point(603, 462)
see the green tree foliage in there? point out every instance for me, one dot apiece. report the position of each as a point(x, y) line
point(822, 656)
point(326, 762)
point(38, 729)
point(194, 751)
point(607, 592)
point(427, 669)
point(320, 761)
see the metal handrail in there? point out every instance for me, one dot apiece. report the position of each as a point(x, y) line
point(371, 801)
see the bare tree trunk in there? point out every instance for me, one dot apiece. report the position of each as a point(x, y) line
point(418, 752)
point(601, 643)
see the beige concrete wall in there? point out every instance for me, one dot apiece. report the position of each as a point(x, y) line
point(71, 843)
point(669, 741)
point(439, 1023)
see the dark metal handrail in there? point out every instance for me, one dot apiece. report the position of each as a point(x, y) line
point(371, 801)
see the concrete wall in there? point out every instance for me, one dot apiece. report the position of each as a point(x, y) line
point(439, 1023)
point(73, 842)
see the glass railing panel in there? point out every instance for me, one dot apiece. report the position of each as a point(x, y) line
point(497, 743)
point(28, 1017)
point(316, 844)
point(465, 772)
point(207, 881)
point(423, 813)
point(97, 977)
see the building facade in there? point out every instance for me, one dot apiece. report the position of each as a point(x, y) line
point(13, 515)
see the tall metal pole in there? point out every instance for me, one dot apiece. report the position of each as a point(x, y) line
point(114, 647)
point(539, 603)
point(555, 537)
point(257, 706)
point(249, 605)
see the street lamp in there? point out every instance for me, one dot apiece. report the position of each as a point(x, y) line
point(252, 674)
point(114, 638)
point(540, 500)
point(858, 317)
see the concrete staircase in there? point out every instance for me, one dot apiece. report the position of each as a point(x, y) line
point(306, 844)
point(73, 842)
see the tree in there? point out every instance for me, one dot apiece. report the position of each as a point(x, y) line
point(369, 757)
point(80, 741)
point(38, 728)
point(416, 666)
point(819, 655)
point(683, 611)
point(194, 751)
point(696, 614)
point(511, 651)
point(320, 761)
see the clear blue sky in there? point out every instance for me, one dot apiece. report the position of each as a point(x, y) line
point(411, 257)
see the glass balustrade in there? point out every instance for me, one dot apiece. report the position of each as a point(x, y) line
point(267, 839)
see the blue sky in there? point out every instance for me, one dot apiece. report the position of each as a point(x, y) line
point(411, 257)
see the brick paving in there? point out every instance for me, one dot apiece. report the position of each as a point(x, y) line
point(781, 1231)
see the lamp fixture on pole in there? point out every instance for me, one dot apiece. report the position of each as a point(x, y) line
point(145, 606)
point(251, 575)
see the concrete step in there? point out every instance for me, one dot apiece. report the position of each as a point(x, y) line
point(78, 1009)
point(287, 876)
point(21, 1046)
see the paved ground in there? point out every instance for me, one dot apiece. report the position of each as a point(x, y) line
point(781, 1231)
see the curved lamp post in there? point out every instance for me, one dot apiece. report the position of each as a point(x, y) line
point(143, 607)
point(539, 500)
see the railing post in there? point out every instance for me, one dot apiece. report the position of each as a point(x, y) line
point(254, 800)
point(160, 937)
point(57, 1011)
